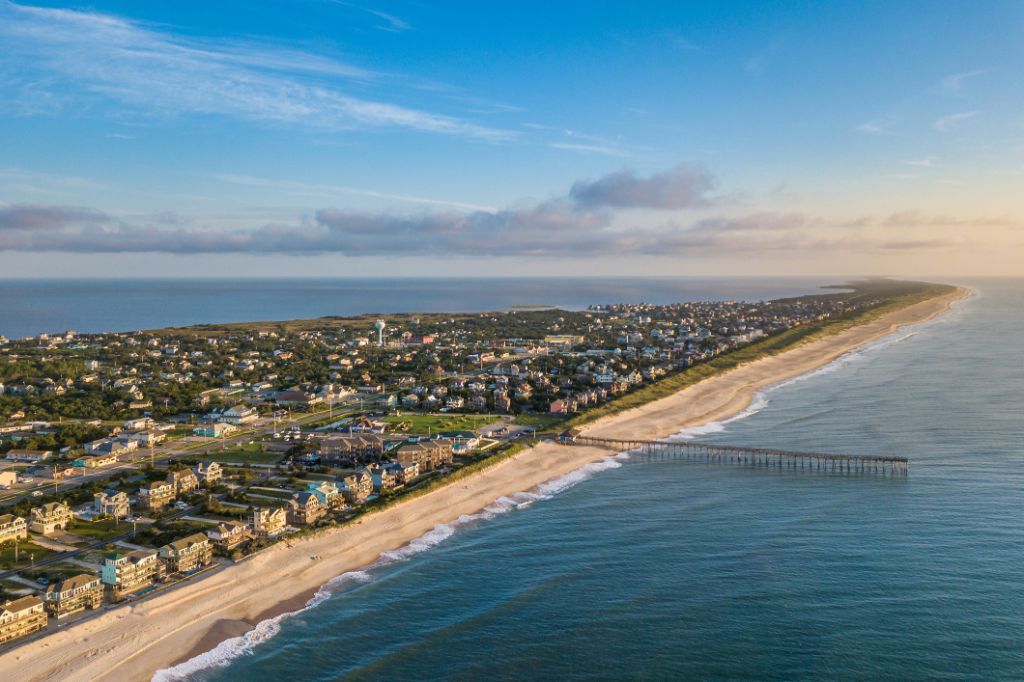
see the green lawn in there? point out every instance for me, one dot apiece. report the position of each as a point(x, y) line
point(55, 572)
point(433, 423)
point(541, 422)
point(27, 551)
point(98, 530)
point(249, 454)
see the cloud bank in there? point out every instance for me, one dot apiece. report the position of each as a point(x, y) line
point(679, 187)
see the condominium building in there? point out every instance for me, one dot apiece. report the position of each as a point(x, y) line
point(80, 592)
point(429, 455)
point(126, 572)
point(12, 528)
point(353, 449)
point(21, 617)
point(187, 554)
point(50, 518)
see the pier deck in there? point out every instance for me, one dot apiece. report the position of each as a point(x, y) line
point(732, 454)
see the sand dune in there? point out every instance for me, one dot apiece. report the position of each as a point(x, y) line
point(131, 643)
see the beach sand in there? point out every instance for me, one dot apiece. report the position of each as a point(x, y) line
point(131, 643)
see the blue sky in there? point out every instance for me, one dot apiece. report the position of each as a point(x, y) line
point(321, 137)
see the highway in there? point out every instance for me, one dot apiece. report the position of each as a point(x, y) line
point(167, 452)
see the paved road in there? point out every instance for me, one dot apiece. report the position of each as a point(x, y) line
point(164, 453)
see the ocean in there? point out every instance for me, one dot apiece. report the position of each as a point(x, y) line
point(32, 306)
point(640, 569)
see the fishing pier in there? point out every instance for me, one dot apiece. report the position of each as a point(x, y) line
point(732, 454)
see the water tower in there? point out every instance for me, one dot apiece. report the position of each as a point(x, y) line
point(379, 326)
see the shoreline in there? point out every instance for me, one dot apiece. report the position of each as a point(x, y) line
point(132, 642)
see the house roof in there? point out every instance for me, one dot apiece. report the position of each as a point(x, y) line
point(73, 583)
point(22, 604)
point(186, 542)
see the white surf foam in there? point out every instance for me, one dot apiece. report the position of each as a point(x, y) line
point(761, 399)
point(230, 649)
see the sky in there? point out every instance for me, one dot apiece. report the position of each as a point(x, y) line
point(406, 138)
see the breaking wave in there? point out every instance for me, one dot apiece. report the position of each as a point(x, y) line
point(228, 650)
point(761, 398)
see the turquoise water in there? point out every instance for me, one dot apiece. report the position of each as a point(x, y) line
point(673, 570)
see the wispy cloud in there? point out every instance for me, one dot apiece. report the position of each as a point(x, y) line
point(89, 55)
point(591, 149)
point(953, 84)
point(926, 162)
point(391, 22)
point(873, 128)
point(314, 189)
point(947, 123)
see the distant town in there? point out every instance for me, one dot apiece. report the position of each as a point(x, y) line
point(134, 461)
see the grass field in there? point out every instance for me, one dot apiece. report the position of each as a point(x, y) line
point(55, 572)
point(27, 552)
point(247, 454)
point(541, 422)
point(433, 423)
point(97, 530)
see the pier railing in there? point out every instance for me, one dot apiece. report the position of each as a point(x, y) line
point(732, 454)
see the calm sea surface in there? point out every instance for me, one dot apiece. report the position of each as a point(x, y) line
point(670, 570)
point(94, 305)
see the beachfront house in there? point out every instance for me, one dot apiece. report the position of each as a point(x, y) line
point(74, 594)
point(304, 508)
point(357, 486)
point(50, 518)
point(187, 554)
point(127, 572)
point(21, 617)
point(385, 478)
point(228, 535)
point(268, 523)
point(327, 492)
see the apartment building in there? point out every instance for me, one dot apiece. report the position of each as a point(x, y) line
point(80, 592)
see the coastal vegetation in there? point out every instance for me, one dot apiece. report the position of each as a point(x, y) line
point(431, 409)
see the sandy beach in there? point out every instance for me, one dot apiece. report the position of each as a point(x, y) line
point(133, 642)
